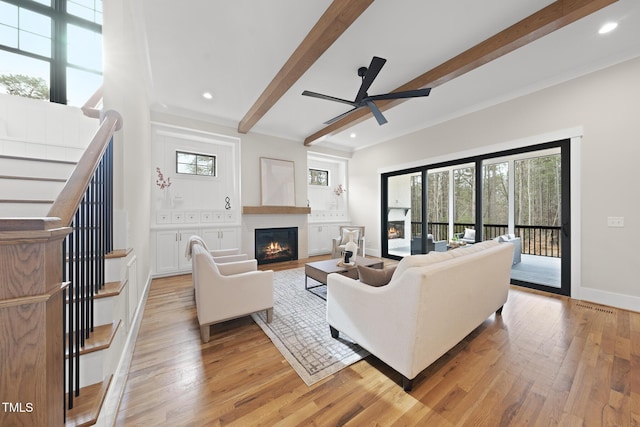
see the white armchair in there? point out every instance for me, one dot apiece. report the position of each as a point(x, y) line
point(346, 232)
point(221, 256)
point(230, 290)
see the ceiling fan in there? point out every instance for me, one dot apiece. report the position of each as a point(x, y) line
point(363, 99)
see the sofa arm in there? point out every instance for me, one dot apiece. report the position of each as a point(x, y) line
point(224, 252)
point(237, 267)
point(230, 258)
point(380, 319)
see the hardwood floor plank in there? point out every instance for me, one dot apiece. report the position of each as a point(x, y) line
point(547, 361)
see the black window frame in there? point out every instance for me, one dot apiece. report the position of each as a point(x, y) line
point(213, 157)
point(58, 61)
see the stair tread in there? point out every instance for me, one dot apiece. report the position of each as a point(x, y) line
point(111, 289)
point(87, 406)
point(100, 339)
point(37, 159)
point(118, 253)
point(24, 201)
point(32, 178)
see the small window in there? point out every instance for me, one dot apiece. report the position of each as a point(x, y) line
point(195, 164)
point(318, 177)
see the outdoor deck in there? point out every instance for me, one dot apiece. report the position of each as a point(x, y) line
point(543, 270)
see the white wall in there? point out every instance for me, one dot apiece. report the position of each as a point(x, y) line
point(604, 108)
point(35, 128)
point(124, 91)
point(252, 148)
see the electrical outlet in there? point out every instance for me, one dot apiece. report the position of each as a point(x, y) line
point(615, 221)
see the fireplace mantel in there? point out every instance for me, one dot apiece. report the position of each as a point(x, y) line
point(277, 210)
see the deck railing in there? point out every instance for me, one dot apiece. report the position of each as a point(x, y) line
point(540, 240)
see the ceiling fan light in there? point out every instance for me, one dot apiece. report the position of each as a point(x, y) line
point(608, 27)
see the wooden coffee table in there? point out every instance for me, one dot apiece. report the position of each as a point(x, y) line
point(319, 270)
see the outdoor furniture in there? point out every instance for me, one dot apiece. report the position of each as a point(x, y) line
point(517, 250)
point(437, 246)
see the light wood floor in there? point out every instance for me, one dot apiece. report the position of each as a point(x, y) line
point(547, 361)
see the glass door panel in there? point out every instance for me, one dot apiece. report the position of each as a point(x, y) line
point(404, 214)
point(464, 199)
point(438, 204)
point(495, 199)
point(538, 218)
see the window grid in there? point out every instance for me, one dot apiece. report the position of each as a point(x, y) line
point(195, 164)
point(24, 32)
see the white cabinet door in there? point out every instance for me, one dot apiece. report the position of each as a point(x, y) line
point(166, 251)
point(317, 236)
point(229, 238)
point(183, 241)
point(221, 238)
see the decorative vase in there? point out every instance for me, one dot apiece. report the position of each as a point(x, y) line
point(167, 201)
point(352, 247)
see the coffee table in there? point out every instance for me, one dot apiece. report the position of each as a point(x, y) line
point(319, 270)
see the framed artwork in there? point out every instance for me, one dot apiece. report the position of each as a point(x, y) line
point(318, 177)
point(277, 182)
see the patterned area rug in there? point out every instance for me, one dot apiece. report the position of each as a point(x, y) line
point(300, 331)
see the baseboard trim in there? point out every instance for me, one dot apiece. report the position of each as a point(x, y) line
point(111, 404)
point(625, 302)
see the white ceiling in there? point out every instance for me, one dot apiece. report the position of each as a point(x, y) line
point(233, 49)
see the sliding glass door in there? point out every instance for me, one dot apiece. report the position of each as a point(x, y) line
point(518, 195)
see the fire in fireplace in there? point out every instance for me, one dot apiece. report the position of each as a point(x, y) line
point(395, 230)
point(276, 244)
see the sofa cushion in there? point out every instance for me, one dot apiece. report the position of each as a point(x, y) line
point(470, 249)
point(375, 276)
point(420, 260)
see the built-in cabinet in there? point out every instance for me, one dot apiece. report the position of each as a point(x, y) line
point(170, 246)
point(221, 238)
point(320, 236)
point(190, 200)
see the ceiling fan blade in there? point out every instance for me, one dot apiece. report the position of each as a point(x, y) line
point(372, 72)
point(399, 95)
point(327, 97)
point(376, 113)
point(336, 118)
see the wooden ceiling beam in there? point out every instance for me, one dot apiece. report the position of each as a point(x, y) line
point(531, 28)
point(333, 22)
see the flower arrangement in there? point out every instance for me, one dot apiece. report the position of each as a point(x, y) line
point(161, 182)
point(339, 190)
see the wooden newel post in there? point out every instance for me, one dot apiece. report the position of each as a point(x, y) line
point(31, 332)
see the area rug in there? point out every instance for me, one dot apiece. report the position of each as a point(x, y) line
point(300, 331)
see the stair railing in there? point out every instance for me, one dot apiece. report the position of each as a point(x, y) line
point(45, 263)
point(86, 205)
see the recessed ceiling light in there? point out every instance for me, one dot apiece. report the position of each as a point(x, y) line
point(609, 26)
point(352, 135)
point(207, 95)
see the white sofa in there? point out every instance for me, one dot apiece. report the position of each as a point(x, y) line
point(431, 303)
point(229, 290)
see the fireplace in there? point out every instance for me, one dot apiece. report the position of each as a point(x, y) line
point(276, 244)
point(395, 230)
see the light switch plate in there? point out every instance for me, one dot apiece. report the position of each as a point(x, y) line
point(615, 221)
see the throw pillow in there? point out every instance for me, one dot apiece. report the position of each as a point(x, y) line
point(347, 234)
point(375, 276)
point(469, 233)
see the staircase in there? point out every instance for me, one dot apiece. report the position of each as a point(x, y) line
point(29, 185)
point(96, 293)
